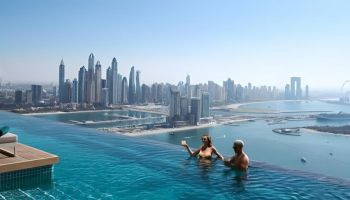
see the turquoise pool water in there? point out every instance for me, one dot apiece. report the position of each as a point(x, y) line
point(96, 165)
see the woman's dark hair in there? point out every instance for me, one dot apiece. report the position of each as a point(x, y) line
point(209, 140)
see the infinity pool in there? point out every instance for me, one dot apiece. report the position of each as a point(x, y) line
point(97, 165)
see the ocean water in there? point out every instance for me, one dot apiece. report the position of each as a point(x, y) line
point(326, 154)
point(97, 165)
point(106, 119)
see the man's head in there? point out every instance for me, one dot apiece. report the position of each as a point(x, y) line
point(238, 146)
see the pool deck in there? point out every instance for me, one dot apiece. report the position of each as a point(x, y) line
point(25, 157)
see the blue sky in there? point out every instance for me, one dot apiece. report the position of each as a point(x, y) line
point(262, 42)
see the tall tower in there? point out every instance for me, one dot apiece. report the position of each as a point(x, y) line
point(205, 105)
point(119, 88)
point(174, 106)
point(81, 85)
point(109, 83)
point(68, 93)
point(114, 81)
point(188, 86)
point(286, 92)
point(98, 88)
point(75, 91)
point(124, 91)
point(132, 86)
point(90, 83)
point(295, 87)
point(61, 82)
point(138, 87)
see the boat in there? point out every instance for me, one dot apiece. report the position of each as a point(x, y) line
point(288, 131)
point(333, 117)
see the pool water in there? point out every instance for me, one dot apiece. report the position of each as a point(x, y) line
point(97, 165)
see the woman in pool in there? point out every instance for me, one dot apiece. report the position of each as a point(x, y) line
point(205, 151)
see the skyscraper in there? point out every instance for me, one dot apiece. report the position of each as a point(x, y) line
point(90, 83)
point(75, 91)
point(29, 97)
point(119, 89)
point(174, 110)
point(306, 92)
point(132, 86)
point(68, 91)
point(205, 105)
point(114, 82)
point(295, 87)
point(195, 110)
point(154, 93)
point(138, 87)
point(229, 90)
point(61, 81)
point(36, 93)
point(98, 88)
point(124, 91)
point(146, 92)
point(188, 86)
point(286, 92)
point(18, 97)
point(109, 83)
point(104, 97)
point(81, 85)
point(184, 107)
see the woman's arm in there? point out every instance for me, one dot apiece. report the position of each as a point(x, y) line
point(217, 153)
point(192, 153)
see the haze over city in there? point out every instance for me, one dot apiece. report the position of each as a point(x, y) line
point(264, 43)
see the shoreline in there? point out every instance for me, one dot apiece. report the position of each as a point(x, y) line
point(138, 132)
point(312, 131)
point(157, 131)
point(236, 106)
point(61, 112)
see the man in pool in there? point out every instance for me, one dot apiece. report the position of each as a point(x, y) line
point(240, 160)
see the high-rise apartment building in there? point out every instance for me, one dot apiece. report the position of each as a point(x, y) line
point(81, 85)
point(174, 109)
point(146, 93)
point(295, 88)
point(18, 97)
point(124, 91)
point(113, 91)
point(98, 88)
point(195, 110)
point(104, 97)
point(68, 92)
point(61, 81)
point(138, 87)
point(90, 83)
point(132, 92)
point(36, 93)
point(205, 105)
point(75, 91)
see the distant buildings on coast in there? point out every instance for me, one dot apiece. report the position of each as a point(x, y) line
point(187, 102)
point(293, 90)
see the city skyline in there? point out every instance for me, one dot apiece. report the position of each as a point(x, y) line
point(264, 43)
